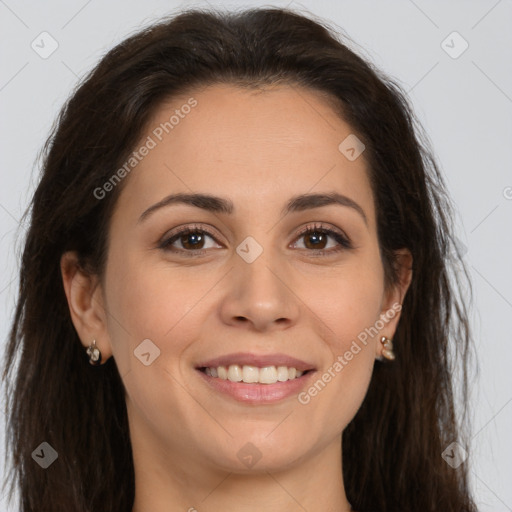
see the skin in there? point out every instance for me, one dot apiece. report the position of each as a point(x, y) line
point(258, 149)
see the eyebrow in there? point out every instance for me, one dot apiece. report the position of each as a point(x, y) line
point(217, 204)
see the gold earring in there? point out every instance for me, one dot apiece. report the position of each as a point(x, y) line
point(94, 354)
point(387, 351)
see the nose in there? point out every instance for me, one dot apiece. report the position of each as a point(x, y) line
point(259, 296)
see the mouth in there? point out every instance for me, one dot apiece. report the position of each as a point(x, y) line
point(256, 379)
point(249, 374)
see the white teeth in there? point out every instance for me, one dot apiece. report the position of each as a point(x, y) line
point(268, 375)
point(222, 372)
point(252, 374)
point(282, 373)
point(235, 373)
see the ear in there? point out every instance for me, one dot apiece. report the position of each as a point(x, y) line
point(394, 296)
point(85, 301)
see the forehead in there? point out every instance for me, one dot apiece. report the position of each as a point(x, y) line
point(263, 145)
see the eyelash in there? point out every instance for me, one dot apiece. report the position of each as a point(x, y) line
point(343, 241)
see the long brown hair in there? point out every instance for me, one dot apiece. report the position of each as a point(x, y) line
point(392, 450)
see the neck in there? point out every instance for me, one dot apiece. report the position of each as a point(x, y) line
point(180, 482)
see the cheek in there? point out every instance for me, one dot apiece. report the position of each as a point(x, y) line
point(350, 302)
point(148, 301)
point(347, 311)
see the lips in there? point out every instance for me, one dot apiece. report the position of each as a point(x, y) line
point(259, 360)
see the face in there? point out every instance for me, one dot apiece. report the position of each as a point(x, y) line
point(267, 276)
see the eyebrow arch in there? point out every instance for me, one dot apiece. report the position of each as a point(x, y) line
point(221, 205)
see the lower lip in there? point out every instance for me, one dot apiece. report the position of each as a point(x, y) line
point(257, 393)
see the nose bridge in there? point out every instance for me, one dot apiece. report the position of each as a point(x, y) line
point(258, 292)
point(258, 268)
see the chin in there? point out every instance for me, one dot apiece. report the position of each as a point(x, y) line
point(246, 454)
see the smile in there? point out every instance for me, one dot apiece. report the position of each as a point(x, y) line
point(252, 374)
point(256, 392)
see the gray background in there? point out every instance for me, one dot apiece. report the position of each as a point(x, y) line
point(464, 103)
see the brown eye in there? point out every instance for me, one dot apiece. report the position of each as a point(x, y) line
point(189, 241)
point(317, 238)
point(192, 240)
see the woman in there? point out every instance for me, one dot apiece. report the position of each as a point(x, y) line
point(235, 289)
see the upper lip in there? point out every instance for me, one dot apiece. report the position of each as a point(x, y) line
point(260, 360)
